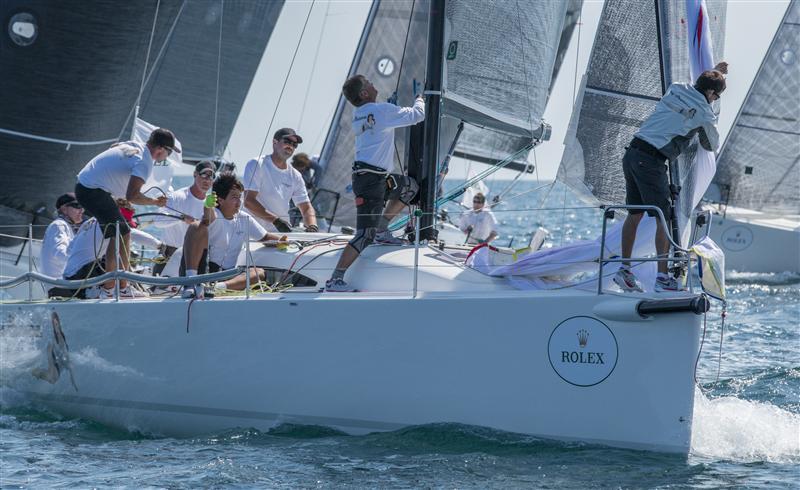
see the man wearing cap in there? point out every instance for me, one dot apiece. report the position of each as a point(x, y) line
point(121, 171)
point(57, 237)
point(188, 201)
point(270, 183)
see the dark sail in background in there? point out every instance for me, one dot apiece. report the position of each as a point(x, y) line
point(181, 94)
point(72, 71)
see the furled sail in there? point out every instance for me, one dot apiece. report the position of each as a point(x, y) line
point(202, 77)
point(759, 166)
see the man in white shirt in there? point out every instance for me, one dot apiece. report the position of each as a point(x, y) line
point(57, 238)
point(479, 224)
point(220, 235)
point(270, 183)
point(86, 255)
point(120, 172)
point(373, 183)
point(188, 201)
point(684, 111)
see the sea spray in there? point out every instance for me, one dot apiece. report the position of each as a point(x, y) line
point(745, 431)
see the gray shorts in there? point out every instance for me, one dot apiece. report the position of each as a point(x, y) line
point(646, 181)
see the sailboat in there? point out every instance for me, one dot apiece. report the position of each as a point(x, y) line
point(426, 339)
point(756, 190)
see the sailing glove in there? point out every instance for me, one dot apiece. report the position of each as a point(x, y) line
point(281, 225)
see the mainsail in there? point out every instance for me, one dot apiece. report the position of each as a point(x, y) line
point(759, 166)
point(500, 59)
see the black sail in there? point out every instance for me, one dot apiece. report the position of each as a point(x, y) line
point(72, 72)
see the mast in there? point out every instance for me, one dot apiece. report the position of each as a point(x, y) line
point(433, 91)
point(674, 171)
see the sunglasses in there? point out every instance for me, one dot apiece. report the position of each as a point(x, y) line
point(290, 142)
point(207, 175)
point(169, 150)
point(477, 201)
point(74, 205)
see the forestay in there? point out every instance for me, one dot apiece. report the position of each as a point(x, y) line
point(758, 167)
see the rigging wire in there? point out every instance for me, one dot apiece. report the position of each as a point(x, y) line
point(313, 65)
point(286, 79)
point(153, 68)
point(399, 77)
point(147, 56)
point(219, 68)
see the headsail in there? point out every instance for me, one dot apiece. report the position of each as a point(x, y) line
point(759, 166)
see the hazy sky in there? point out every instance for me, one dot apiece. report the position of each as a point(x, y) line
point(332, 33)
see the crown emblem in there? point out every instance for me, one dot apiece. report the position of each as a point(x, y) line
point(583, 338)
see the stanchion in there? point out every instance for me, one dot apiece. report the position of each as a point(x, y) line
point(116, 262)
point(417, 216)
point(247, 269)
point(30, 261)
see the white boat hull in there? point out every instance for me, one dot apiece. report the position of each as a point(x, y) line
point(363, 362)
point(753, 243)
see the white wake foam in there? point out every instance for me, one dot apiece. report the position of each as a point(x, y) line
point(747, 431)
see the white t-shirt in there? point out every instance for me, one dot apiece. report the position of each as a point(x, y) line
point(226, 237)
point(275, 187)
point(483, 224)
point(183, 201)
point(112, 169)
point(374, 124)
point(56, 240)
point(89, 245)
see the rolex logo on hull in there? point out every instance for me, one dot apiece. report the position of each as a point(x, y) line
point(582, 351)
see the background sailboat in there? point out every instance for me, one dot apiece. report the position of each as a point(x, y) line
point(757, 184)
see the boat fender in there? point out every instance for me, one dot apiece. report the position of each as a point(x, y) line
point(695, 304)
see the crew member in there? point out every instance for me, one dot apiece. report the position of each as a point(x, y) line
point(220, 235)
point(479, 224)
point(271, 183)
point(188, 201)
point(684, 111)
point(121, 171)
point(57, 238)
point(374, 124)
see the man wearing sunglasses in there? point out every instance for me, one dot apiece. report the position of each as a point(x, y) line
point(120, 172)
point(188, 202)
point(58, 236)
point(683, 112)
point(270, 183)
point(479, 224)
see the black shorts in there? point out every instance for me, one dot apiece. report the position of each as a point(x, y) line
point(101, 205)
point(201, 269)
point(89, 270)
point(370, 191)
point(646, 182)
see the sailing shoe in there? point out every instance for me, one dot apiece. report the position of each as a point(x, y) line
point(668, 284)
point(338, 286)
point(625, 279)
point(124, 293)
point(386, 238)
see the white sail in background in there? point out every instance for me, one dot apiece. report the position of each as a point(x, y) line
point(759, 165)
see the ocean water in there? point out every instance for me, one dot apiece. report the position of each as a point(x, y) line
point(746, 422)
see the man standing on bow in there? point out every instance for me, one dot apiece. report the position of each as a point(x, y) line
point(684, 111)
point(374, 124)
point(120, 172)
point(270, 183)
